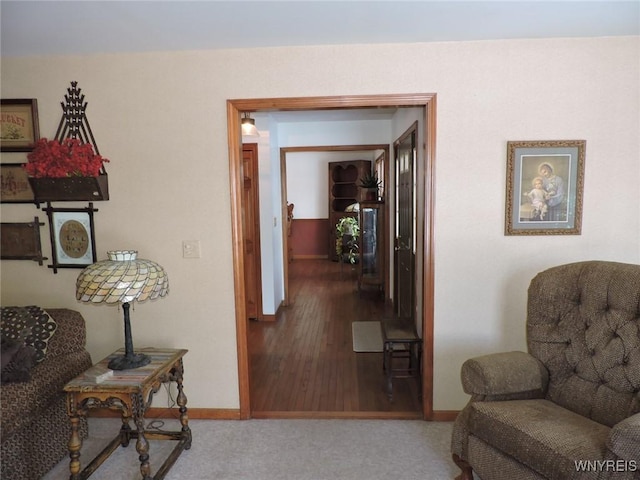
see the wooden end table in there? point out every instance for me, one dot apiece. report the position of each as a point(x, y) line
point(131, 392)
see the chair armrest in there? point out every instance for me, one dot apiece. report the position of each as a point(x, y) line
point(624, 439)
point(506, 373)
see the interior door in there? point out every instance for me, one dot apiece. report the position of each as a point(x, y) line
point(405, 158)
point(251, 227)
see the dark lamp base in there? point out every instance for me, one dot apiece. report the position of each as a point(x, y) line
point(128, 362)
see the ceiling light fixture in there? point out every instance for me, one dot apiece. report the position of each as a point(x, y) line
point(249, 126)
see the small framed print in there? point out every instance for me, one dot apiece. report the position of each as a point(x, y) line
point(19, 130)
point(73, 242)
point(545, 181)
point(21, 241)
point(15, 186)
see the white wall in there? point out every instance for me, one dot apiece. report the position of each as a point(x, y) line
point(307, 179)
point(161, 119)
point(307, 184)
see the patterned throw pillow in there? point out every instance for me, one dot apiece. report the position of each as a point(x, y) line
point(17, 360)
point(8, 348)
point(29, 325)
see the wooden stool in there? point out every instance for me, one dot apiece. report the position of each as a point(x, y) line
point(401, 342)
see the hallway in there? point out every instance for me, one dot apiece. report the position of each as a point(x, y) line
point(304, 365)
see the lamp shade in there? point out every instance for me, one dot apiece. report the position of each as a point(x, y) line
point(122, 278)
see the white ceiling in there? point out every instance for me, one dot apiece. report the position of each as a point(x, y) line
point(84, 27)
point(53, 27)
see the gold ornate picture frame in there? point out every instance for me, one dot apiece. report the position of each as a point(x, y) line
point(545, 181)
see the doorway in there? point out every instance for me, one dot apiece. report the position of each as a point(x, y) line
point(326, 149)
point(234, 110)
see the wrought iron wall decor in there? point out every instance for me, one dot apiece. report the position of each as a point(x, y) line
point(71, 229)
point(73, 124)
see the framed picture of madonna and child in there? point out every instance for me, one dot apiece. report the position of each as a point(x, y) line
point(545, 181)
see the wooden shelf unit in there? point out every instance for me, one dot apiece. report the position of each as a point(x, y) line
point(344, 191)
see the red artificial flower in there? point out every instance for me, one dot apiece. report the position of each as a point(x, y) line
point(54, 159)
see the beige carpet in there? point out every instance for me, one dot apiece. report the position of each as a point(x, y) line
point(283, 450)
point(367, 336)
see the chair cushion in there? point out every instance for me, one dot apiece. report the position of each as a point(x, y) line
point(491, 464)
point(540, 434)
point(624, 440)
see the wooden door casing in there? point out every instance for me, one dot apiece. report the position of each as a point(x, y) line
point(251, 226)
point(427, 101)
point(405, 227)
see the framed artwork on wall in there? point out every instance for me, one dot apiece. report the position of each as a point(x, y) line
point(21, 241)
point(545, 181)
point(14, 184)
point(73, 243)
point(19, 130)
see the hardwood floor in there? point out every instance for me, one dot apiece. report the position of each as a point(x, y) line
point(303, 365)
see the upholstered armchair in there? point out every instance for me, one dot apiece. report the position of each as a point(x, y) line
point(569, 408)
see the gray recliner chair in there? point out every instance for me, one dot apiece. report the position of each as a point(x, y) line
point(570, 407)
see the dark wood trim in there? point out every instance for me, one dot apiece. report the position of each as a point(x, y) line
point(445, 415)
point(234, 414)
point(254, 174)
point(274, 317)
point(336, 148)
point(331, 102)
point(428, 272)
point(285, 236)
point(236, 181)
point(234, 109)
point(339, 415)
point(405, 135)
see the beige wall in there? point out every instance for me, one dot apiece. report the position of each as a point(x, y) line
point(161, 119)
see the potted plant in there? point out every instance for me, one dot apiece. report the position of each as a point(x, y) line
point(347, 233)
point(66, 170)
point(370, 183)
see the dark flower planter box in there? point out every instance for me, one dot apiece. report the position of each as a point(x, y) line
point(68, 189)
